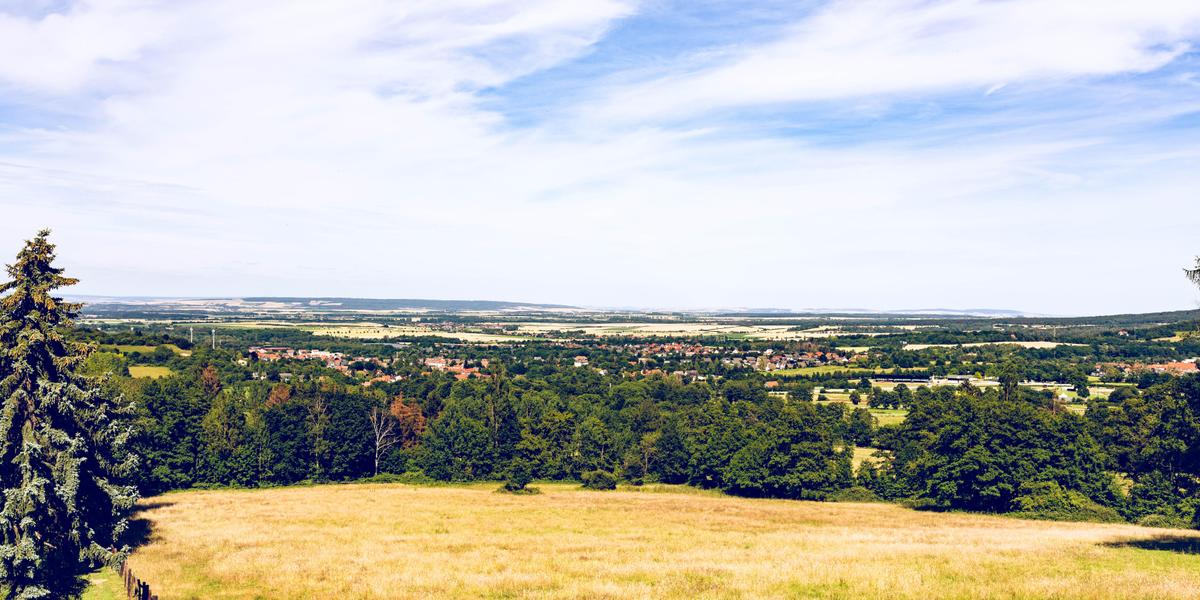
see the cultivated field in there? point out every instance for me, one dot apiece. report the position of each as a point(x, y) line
point(526, 330)
point(372, 332)
point(149, 372)
point(399, 541)
point(828, 369)
point(690, 329)
point(1040, 345)
point(130, 348)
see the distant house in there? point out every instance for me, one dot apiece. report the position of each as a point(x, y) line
point(1175, 368)
point(581, 361)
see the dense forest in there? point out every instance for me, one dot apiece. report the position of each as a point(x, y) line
point(1134, 456)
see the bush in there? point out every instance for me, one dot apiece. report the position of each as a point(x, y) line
point(520, 473)
point(856, 493)
point(922, 503)
point(1048, 500)
point(599, 480)
point(1163, 521)
point(413, 477)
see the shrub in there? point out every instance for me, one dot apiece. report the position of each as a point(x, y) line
point(856, 493)
point(599, 480)
point(1164, 521)
point(1048, 500)
point(520, 473)
point(411, 477)
point(922, 503)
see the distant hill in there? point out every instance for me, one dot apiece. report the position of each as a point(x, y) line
point(401, 304)
point(108, 306)
point(867, 312)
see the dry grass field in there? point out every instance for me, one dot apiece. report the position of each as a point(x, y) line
point(764, 331)
point(400, 541)
point(373, 332)
point(1041, 345)
point(526, 330)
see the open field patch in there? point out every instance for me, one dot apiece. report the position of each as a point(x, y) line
point(399, 541)
point(1042, 345)
point(144, 349)
point(889, 416)
point(827, 369)
point(762, 331)
point(149, 372)
point(368, 332)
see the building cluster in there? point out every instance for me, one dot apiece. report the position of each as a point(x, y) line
point(456, 366)
point(774, 360)
point(684, 349)
point(1183, 367)
point(333, 360)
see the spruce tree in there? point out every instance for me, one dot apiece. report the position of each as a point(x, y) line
point(62, 458)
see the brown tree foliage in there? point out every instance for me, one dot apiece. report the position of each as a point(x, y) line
point(210, 380)
point(410, 420)
point(280, 394)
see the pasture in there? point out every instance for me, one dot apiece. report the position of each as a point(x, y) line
point(403, 541)
point(1036, 345)
point(144, 349)
point(828, 369)
point(149, 372)
point(375, 332)
point(558, 330)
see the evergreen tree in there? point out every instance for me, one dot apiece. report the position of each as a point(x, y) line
point(62, 456)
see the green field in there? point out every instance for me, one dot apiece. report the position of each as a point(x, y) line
point(889, 416)
point(369, 541)
point(149, 372)
point(145, 349)
point(826, 369)
point(104, 584)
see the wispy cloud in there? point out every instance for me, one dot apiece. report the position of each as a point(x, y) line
point(911, 47)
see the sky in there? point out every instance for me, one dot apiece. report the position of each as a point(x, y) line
point(1036, 155)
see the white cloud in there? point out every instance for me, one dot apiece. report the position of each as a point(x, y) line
point(861, 48)
point(62, 52)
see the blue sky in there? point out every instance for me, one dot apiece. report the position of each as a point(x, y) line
point(1037, 155)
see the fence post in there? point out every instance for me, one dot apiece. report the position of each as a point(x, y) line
point(135, 588)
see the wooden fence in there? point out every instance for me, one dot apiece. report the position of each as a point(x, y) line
point(135, 589)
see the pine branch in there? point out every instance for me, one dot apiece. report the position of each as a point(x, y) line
point(1193, 275)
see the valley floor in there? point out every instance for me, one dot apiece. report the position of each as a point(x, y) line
point(403, 541)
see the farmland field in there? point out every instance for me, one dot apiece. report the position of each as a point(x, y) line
point(1037, 345)
point(889, 416)
point(400, 541)
point(376, 332)
point(149, 372)
point(827, 369)
point(145, 349)
point(526, 330)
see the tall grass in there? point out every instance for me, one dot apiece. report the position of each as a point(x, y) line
point(401, 541)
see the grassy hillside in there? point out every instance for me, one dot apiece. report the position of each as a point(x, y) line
point(399, 541)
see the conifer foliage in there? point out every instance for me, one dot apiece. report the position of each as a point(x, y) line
point(62, 459)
